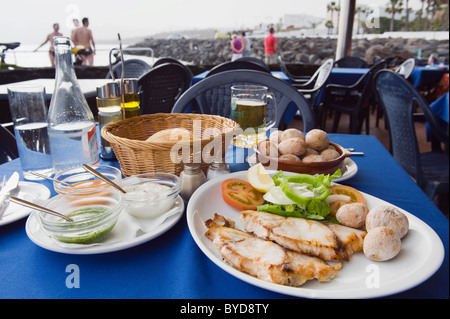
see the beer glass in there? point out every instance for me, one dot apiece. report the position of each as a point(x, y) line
point(29, 114)
point(251, 110)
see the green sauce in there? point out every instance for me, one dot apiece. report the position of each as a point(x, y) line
point(85, 217)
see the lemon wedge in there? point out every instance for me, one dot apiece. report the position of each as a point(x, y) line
point(258, 177)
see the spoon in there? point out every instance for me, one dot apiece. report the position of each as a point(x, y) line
point(51, 179)
point(37, 207)
point(99, 175)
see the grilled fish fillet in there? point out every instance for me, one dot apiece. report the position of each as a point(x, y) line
point(321, 239)
point(265, 259)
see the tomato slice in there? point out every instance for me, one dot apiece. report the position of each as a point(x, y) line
point(241, 195)
point(354, 194)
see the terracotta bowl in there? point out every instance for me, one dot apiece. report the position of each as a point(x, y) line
point(312, 168)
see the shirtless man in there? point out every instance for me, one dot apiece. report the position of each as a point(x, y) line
point(83, 37)
point(49, 38)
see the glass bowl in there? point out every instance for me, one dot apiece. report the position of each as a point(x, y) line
point(84, 183)
point(150, 195)
point(93, 216)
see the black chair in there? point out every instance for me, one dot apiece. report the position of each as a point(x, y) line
point(399, 100)
point(254, 60)
point(162, 86)
point(351, 62)
point(237, 65)
point(295, 79)
point(312, 88)
point(354, 100)
point(8, 146)
point(213, 95)
point(134, 69)
point(172, 60)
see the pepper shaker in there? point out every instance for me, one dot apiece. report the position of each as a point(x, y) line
point(192, 177)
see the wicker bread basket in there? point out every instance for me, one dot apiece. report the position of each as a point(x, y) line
point(211, 134)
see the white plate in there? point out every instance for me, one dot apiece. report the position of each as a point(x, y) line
point(349, 168)
point(28, 191)
point(120, 237)
point(421, 254)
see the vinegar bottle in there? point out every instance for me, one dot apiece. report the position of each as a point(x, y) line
point(71, 124)
point(131, 98)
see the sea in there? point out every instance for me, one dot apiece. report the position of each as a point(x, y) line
point(24, 56)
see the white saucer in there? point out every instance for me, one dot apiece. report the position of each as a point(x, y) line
point(28, 191)
point(128, 232)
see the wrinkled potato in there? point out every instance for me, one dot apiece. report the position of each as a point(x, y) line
point(317, 139)
point(381, 243)
point(290, 157)
point(313, 158)
point(352, 215)
point(389, 216)
point(295, 146)
point(330, 154)
point(268, 149)
point(310, 151)
point(292, 133)
point(275, 137)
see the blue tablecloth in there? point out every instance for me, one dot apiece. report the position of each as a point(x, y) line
point(440, 107)
point(427, 77)
point(346, 76)
point(172, 266)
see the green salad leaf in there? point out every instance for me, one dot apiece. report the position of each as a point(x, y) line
point(308, 194)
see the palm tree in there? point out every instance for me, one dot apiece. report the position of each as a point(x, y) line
point(332, 6)
point(406, 16)
point(394, 6)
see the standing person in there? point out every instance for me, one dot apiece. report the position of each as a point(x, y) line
point(236, 47)
point(83, 37)
point(51, 51)
point(245, 44)
point(270, 48)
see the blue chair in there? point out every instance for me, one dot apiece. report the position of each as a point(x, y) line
point(399, 100)
point(162, 86)
point(213, 96)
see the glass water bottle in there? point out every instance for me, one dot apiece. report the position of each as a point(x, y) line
point(71, 124)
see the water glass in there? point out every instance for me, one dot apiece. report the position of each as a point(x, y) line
point(251, 110)
point(29, 114)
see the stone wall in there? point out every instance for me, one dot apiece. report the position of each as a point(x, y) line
point(295, 50)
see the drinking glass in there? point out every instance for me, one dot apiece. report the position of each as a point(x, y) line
point(251, 110)
point(29, 114)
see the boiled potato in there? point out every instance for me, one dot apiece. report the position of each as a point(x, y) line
point(313, 158)
point(268, 149)
point(290, 157)
point(310, 151)
point(352, 215)
point(292, 133)
point(275, 137)
point(295, 146)
point(389, 216)
point(381, 243)
point(317, 139)
point(330, 154)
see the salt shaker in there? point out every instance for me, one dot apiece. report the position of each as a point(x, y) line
point(192, 177)
point(216, 169)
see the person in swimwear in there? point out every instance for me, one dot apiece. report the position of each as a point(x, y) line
point(49, 38)
point(83, 37)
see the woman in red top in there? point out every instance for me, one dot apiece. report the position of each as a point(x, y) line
point(270, 46)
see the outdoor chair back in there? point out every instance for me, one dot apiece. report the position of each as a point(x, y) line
point(237, 65)
point(162, 86)
point(351, 62)
point(295, 79)
point(406, 68)
point(8, 146)
point(213, 96)
point(134, 69)
point(399, 100)
point(172, 60)
point(354, 100)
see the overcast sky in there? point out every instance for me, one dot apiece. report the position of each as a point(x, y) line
point(29, 21)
